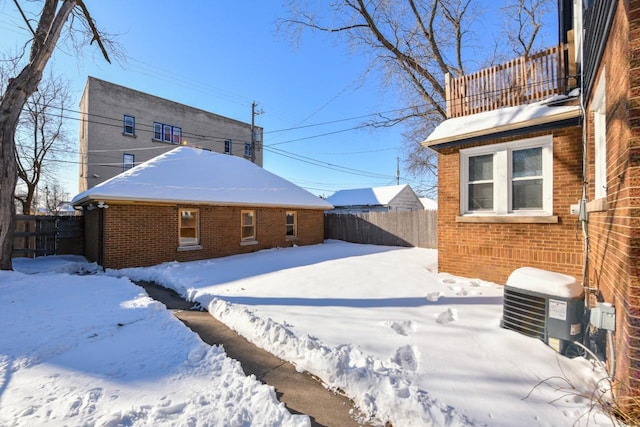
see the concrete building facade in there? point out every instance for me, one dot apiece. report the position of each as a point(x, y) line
point(122, 127)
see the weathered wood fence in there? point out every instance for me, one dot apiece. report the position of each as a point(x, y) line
point(408, 228)
point(40, 235)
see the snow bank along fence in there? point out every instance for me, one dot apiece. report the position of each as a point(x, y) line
point(40, 235)
point(403, 228)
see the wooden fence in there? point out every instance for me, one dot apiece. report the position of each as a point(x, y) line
point(40, 235)
point(407, 228)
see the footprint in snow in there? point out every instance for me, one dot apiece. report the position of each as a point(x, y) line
point(448, 281)
point(406, 357)
point(461, 292)
point(434, 296)
point(402, 327)
point(447, 316)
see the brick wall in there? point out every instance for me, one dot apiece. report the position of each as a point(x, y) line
point(143, 235)
point(492, 251)
point(615, 226)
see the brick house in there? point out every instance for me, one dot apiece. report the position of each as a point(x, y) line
point(539, 175)
point(192, 204)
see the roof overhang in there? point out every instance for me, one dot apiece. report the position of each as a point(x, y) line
point(96, 197)
point(564, 118)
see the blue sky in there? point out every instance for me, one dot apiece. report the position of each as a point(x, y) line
point(222, 56)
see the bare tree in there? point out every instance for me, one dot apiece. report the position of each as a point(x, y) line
point(41, 137)
point(54, 196)
point(414, 43)
point(52, 20)
point(523, 20)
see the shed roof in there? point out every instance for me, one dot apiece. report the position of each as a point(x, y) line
point(192, 175)
point(373, 196)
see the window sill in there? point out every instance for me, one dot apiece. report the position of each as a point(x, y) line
point(129, 135)
point(189, 248)
point(248, 242)
point(598, 205)
point(509, 219)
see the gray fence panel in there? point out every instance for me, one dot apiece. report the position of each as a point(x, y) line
point(405, 228)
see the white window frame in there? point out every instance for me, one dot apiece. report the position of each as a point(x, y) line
point(157, 131)
point(176, 133)
point(129, 122)
point(502, 177)
point(247, 149)
point(228, 146)
point(128, 161)
point(599, 109)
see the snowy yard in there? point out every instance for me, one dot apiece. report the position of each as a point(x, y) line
point(408, 345)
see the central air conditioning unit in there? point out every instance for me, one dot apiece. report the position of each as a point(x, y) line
point(544, 305)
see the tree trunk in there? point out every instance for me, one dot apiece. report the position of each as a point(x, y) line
point(13, 99)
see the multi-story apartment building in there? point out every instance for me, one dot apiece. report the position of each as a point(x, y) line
point(122, 127)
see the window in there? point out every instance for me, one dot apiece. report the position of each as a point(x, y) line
point(227, 146)
point(189, 233)
point(511, 178)
point(291, 224)
point(157, 131)
point(248, 225)
point(247, 150)
point(600, 139)
point(129, 125)
point(167, 133)
point(128, 161)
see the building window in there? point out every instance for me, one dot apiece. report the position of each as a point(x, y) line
point(512, 178)
point(291, 224)
point(247, 150)
point(167, 133)
point(157, 131)
point(128, 161)
point(189, 233)
point(600, 139)
point(129, 125)
point(248, 225)
point(228, 146)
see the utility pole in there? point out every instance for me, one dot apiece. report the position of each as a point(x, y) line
point(253, 135)
point(254, 113)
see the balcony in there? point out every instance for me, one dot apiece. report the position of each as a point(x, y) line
point(520, 81)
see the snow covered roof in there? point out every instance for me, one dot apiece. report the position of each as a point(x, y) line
point(429, 204)
point(502, 119)
point(192, 175)
point(366, 196)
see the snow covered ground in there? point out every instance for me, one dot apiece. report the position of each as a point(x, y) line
point(408, 345)
point(96, 350)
